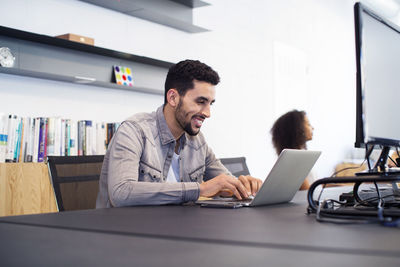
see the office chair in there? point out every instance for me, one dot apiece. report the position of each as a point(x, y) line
point(75, 180)
point(237, 166)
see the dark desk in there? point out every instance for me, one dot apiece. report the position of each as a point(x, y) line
point(189, 235)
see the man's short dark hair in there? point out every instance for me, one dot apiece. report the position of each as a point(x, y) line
point(181, 75)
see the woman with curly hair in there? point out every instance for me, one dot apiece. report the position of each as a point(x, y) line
point(292, 130)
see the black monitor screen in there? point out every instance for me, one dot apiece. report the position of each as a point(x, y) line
point(378, 79)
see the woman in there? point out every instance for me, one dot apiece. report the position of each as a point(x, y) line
point(292, 130)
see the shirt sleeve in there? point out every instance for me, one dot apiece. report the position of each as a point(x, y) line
point(124, 187)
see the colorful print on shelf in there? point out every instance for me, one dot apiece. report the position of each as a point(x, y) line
point(123, 75)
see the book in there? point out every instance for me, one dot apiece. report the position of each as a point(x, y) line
point(46, 127)
point(51, 136)
point(100, 138)
point(73, 141)
point(3, 136)
point(42, 140)
point(24, 139)
point(67, 151)
point(81, 138)
point(31, 141)
point(11, 139)
point(17, 141)
point(62, 138)
point(36, 139)
point(27, 139)
point(88, 138)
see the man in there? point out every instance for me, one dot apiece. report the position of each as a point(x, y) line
point(161, 157)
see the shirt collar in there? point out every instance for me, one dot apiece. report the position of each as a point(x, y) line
point(163, 129)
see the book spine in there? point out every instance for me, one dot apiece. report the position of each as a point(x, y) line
point(100, 138)
point(62, 140)
point(67, 137)
point(42, 137)
point(88, 137)
point(31, 141)
point(74, 138)
point(80, 149)
point(17, 142)
point(83, 129)
point(24, 139)
point(51, 132)
point(46, 126)
point(10, 138)
point(36, 140)
point(3, 137)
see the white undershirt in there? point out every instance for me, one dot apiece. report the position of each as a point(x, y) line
point(173, 172)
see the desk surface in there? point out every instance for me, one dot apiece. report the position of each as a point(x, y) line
point(283, 230)
point(23, 245)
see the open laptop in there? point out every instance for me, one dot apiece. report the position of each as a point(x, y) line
point(281, 184)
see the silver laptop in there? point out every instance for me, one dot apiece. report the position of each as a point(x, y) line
point(281, 184)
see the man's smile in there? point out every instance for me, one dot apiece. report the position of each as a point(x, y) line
point(198, 121)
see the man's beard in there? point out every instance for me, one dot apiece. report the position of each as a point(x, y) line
point(180, 118)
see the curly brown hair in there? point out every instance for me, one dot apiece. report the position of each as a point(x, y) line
point(181, 75)
point(288, 131)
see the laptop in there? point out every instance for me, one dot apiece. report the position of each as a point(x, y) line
point(283, 181)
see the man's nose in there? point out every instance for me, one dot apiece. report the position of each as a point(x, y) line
point(206, 111)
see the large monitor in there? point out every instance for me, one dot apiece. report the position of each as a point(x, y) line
point(378, 81)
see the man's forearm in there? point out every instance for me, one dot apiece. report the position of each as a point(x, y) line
point(132, 193)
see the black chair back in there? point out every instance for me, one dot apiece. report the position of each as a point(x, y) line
point(237, 166)
point(75, 180)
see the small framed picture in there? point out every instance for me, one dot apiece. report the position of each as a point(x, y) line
point(123, 75)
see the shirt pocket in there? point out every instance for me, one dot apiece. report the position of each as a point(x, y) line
point(198, 174)
point(148, 173)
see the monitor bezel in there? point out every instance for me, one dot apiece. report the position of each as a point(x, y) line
point(361, 141)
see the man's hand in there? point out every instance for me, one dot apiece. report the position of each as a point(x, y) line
point(224, 182)
point(251, 184)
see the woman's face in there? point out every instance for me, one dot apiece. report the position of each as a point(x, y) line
point(308, 129)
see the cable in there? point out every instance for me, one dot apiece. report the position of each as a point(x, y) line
point(342, 219)
point(369, 202)
point(381, 202)
point(347, 168)
point(324, 216)
point(325, 210)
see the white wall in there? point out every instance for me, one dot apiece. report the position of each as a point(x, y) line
point(240, 46)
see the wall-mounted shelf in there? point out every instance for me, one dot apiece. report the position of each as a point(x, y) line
point(177, 14)
point(47, 57)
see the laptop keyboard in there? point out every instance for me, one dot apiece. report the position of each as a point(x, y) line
point(235, 200)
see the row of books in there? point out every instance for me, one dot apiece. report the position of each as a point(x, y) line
point(26, 139)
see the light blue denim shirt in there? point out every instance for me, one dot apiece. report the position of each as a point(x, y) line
point(138, 159)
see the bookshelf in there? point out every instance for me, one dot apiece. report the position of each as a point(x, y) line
point(177, 14)
point(47, 57)
point(25, 188)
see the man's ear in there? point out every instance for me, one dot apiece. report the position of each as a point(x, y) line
point(173, 97)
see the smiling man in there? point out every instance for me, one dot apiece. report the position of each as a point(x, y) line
point(162, 157)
